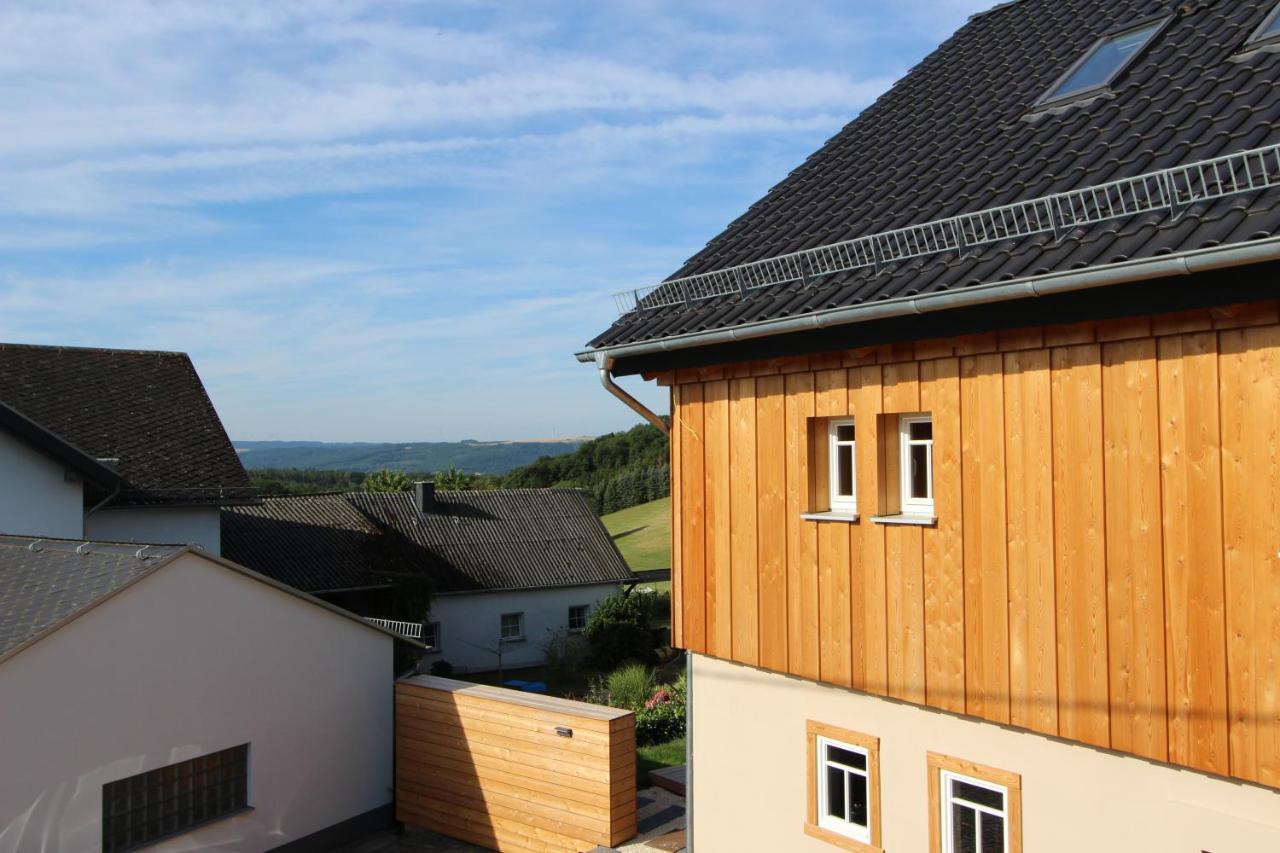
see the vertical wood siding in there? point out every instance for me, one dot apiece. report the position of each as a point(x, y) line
point(1106, 562)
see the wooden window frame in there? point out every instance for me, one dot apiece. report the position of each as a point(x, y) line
point(938, 764)
point(586, 612)
point(502, 632)
point(863, 743)
point(838, 503)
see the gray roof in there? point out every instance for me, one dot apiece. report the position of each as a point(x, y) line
point(469, 541)
point(960, 133)
point(46, 583)
point(147, 411)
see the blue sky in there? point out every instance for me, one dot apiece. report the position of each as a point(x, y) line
point(396, 221)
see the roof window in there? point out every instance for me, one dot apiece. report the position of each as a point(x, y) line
point(1110, 55)
point(1270, 28)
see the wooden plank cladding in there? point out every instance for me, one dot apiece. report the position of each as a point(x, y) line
point(1105, 561)
point(493, 767)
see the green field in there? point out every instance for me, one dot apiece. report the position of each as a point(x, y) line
point(643, 534)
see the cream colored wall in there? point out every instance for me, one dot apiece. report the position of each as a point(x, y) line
point(193, 659)
point(749, 776)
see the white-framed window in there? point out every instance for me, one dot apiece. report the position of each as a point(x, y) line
point(844, 789)
point(511, 627)
point(578, 617)
point(842, 456)
point(915, 440)
point(975, 814)
point(431, 637)
point(1102, 64)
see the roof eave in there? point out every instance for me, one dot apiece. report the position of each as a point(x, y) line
point(1124, 272)
point(57, 447)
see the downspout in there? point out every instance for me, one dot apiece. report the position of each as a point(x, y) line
point(108, 499)
point(605, 365)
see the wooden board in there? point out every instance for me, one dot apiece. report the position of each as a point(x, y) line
point(494, 767)
point(1104, 562)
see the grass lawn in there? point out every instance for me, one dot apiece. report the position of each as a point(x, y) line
point(656, 757)
point(643, 534)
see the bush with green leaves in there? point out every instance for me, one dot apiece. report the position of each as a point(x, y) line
point(388, 480)
point(662, 716)
point(565, 653)
point(619, 632)
point(442, 668)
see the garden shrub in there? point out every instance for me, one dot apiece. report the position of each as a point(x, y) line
point(630, 686)
point(564, 653)
point(442, 668)
point(662, 717)
point(619, 631)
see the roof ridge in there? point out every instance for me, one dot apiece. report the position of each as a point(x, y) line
point(995, 8)
point(70, 348)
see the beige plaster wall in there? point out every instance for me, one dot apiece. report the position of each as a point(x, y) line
point(749, 776)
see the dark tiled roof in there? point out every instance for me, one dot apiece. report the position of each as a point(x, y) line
point(43, 583)
point(468, 541)
point(953, 137)
point(149, 410)
point(311, 542)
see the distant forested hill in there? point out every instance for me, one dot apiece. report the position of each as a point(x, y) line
point(473, 457)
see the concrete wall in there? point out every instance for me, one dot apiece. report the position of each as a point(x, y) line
point(178, 525)
point(193, 659)
point(470, 621)
point(35, 497)
point(750, 760)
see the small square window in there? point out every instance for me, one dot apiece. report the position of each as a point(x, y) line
point(431, 637)
point(1102, 64)
point(844, 787)
point(577, 618)
point(512, 626)
point(841, 456)
point(916, 446)
point(979, 809)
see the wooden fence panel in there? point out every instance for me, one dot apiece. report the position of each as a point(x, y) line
point(511, 770)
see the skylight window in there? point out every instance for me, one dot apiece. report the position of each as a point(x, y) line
point(1270, 28)
point(1102, 64)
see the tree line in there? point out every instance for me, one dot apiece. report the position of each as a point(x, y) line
point(619, 470)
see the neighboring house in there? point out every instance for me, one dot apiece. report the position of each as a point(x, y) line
point(158, 696)
point(504, 568)
point(978, 507)
point(112, 445)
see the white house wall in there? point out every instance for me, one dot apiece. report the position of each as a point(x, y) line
point(171, 525)
point(36, 497)
point(750, 770)
point(469, 623)
point(193, 659)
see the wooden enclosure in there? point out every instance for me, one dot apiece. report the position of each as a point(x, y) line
point(511, 770)
point(1105, 564)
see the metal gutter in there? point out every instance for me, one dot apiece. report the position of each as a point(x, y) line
point(1180, 264)
point(605, 363)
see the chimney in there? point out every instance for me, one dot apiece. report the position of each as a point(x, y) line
point(425, 494)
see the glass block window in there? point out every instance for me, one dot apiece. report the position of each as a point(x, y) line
point(142, 809)
point(1103, 63)
point(841, 453)
point(512, 626)
point(578, 617)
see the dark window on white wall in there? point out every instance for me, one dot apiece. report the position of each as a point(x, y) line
point(1109, 56)
point(431, 637)
point(577, 617)
point(512, 626)
point(142, 809)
